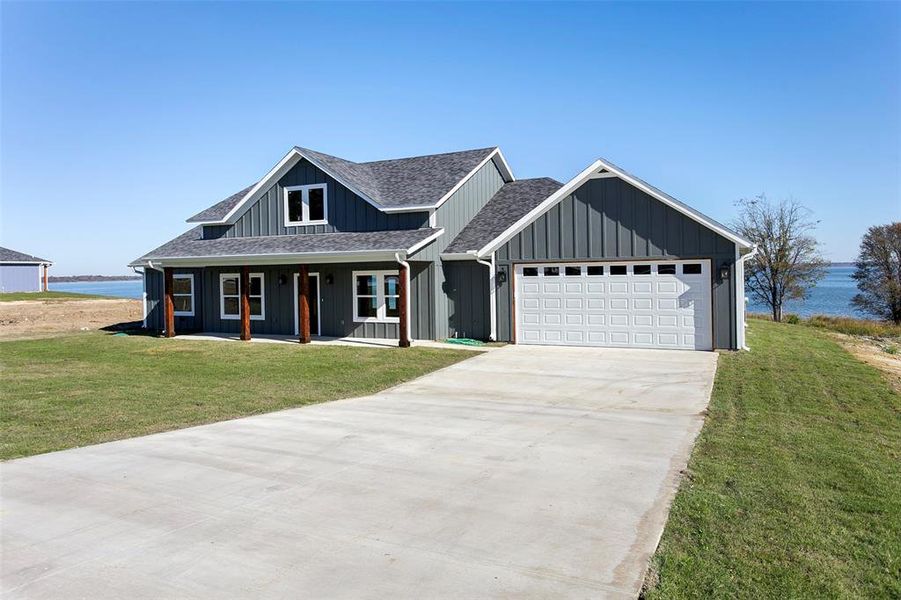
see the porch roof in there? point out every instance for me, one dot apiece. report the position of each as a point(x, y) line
point(191, 249)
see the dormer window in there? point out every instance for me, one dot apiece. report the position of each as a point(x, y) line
point(306, 204)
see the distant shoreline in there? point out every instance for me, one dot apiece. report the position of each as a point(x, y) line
point(82, 278)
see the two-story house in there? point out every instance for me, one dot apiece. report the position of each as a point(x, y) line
point(452, 244)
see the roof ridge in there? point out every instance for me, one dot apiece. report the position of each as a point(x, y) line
point(384, 160)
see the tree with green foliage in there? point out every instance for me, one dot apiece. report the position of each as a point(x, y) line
point(878, 273)
point(788, 262)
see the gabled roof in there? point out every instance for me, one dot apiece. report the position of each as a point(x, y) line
point(397, 185)
point(12, 256)
point(604, 168)
point(191, 245)
point(508, 205)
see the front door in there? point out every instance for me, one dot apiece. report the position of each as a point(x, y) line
point(313, 301)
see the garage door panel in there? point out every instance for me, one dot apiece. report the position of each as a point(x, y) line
point(648, 307)
point(551, 288)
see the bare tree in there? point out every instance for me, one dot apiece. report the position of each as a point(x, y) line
point(878, 273)
point(788, 262)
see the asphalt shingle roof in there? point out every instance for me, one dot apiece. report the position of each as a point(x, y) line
point(191, 244)
point(507, 206)
point(220, 209)
point(7, 255)
point(396, 183)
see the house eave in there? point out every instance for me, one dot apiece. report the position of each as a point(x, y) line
point(268, 259)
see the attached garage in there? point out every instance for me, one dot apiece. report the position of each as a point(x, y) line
point(607, 260)
point(648, 304)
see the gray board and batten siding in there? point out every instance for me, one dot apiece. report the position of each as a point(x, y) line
point(335, 307)
point(346, 210)
point(608, 219)
point(453, 216)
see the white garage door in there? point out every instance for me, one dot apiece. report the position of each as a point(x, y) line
point(623, 304)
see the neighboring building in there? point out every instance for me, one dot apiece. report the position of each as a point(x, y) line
point(21, 272)
point(451, 245)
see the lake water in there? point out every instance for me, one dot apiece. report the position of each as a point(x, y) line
point(831, 296)
point(128, 288)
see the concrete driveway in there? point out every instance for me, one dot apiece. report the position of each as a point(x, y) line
point(523, 472)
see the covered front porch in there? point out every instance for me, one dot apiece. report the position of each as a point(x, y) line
point(360, 300)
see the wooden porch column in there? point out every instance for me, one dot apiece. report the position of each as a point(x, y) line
point(245, 304)
point(46, 287)
point(168, 303)
point(404, 341)
point(303, 305)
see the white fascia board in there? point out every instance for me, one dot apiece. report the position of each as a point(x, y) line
point(423, 243)
point(271, 259)
point(296, 154)
point(499, 161)
point(459, 256)
point(691, 214)
point(293, 157)
point(24, 262)
point(593, 172)
point(545, 205)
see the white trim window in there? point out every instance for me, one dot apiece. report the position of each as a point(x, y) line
point(306, 204)
point(183, 294)
point(376, 296)
point(230, 296)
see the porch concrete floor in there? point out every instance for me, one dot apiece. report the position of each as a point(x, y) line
point(527, 472)
point(333, 341)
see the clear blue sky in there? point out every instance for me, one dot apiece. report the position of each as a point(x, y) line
point(120, 120)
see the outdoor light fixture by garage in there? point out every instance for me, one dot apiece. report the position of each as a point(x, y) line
point(724, 272)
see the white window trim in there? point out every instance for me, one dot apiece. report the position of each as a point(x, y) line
point(190, 277)
point(380, 297)
point(305, 211)
point(262, 297)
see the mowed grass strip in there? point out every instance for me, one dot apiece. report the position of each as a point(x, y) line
point(88, 388)
point(794, 486)
point(51, 295)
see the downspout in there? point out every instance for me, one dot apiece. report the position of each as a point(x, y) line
point(144, 289)
point(740, 300)
point(406, 265)
point(492, 303)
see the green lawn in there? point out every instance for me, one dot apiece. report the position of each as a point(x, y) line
point(87, 388)
point(16, 296)
point(794, 486)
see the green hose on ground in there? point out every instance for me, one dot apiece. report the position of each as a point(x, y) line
point(464, 341)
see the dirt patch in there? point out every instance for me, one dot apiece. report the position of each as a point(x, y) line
point(32, 318)
point(872, 351)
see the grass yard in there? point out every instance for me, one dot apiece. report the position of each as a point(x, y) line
point(88, 388)
point(794, 486)
point(18, 296)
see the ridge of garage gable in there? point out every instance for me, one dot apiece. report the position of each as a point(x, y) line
point(602, 168)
